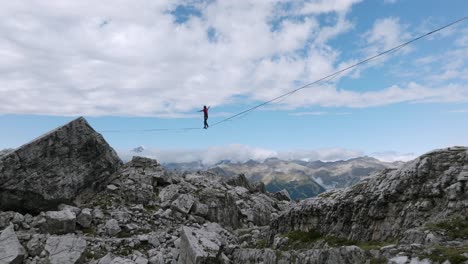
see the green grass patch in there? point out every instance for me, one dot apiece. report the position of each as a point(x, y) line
point(454, 228)
point(453, 254)
point(89, 254)
point(339, 241)
point(124, 234)
point(380, 260)
point(369, 245)
point(143, 247)
point(326, 194)
point(262, 243)
point(303, 237)
point(151, 208)
point(89, 231)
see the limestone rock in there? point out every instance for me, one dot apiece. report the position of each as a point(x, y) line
point(36, 245)
point(70, 208)
point(112, 227)
point(55, 168)
point(198, 246)
point(59, 222)
point(85, 218)
point(241, 181)
point(341, 255)
point(11, 251)
point(183, 203)
point(65, 249)
point(6, 218)
point(282, 195)
point(386, 205)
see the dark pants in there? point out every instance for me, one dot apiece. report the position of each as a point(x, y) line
point(206, 123)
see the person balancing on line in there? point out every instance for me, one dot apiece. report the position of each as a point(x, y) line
point(205, 112)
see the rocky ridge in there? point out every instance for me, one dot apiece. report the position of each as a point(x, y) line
point(141, 213)
point(55, 167)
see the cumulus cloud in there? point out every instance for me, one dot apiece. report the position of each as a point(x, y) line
point(318, 113)
point(392, 156)
point(386, 33)
point(243, 153)
point(208, 156)
point(329, 96)
point(146, 58)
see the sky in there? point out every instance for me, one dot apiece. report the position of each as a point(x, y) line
point(131, 66)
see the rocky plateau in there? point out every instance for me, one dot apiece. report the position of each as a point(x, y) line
point(67, 198)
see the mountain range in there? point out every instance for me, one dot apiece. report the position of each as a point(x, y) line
point(302, 179)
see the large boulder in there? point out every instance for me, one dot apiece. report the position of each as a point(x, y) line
point(203, 245)
point(55, 168)
point(59, 222)
point(65, 249)
point(11, 251)
point(241, 181)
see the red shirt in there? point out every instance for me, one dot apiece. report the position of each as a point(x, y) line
point(205, 111)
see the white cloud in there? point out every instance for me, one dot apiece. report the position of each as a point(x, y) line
point(392, 156)
point(208, 156)
point(329, 96)
point(386, 33)
point(243, 153)
point(318, 113)
point(326, 6)
point(390, 1)
point(132, 58)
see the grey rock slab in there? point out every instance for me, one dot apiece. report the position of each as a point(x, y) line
point(59, 222)
point(6, 218)
point(112, 227)
point(158, 259)
point(36, 244)
point(107, 259)
point(55, 168)
point(183, 203)
point(282, 195)
point(74, 209)
point(11, 251)
point(85, 218)
point(120, 260)
point(241, 181)
point(199, 246)
point(67, 249)
point(169, 193)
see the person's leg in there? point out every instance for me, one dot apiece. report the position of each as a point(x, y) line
point(206, 124)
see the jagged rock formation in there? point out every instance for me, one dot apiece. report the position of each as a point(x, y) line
point(11, 251)
point(428, 189)
point(55, 167)
point(341, 255)
point(145, 214)
point(3, 152)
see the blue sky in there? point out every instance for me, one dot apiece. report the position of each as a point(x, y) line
point(154, 65)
